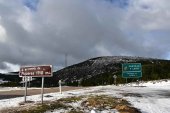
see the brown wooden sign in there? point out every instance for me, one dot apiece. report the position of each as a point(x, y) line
point(36, 71)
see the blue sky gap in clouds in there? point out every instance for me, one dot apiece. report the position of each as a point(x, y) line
point(119, 3)
point(31, 4)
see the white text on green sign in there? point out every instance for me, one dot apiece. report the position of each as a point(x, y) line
point(132, 67)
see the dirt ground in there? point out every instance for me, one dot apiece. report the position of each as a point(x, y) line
point(20, 93)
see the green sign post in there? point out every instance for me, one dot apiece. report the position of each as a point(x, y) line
point(131, 70)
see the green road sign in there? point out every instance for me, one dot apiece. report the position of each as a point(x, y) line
point(131, 70)
point(132, 74)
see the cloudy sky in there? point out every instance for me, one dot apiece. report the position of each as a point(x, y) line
point(43, 31)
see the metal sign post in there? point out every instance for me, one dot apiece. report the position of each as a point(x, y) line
point(25, 97)
point(42, 90)
point(23, 80)
point(29, 79)
point(126, 80)
point(60, 86)
point(115, 77)
point(79, 82)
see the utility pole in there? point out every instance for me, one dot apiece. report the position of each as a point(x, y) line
point(65, 60)
point(65, 64)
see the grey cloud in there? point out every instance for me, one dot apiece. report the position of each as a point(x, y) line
point(80, 28)
point(3, 66)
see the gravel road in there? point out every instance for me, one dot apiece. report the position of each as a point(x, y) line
point(20, 93)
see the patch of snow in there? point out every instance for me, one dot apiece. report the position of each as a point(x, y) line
point(1, 81)
point(153, 98)
point(10, 88)
point(58, 111)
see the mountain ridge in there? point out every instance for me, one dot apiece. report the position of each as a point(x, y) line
point(100, 65)
point(100, 71)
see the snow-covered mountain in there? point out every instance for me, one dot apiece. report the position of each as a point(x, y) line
point(100, 71)
point(97, 68)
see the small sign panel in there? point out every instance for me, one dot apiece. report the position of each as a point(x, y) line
point(36, 71)
point(132, 74)
point(114, 76)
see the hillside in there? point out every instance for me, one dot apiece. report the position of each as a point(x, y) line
point(10, 79)
point(100, 71)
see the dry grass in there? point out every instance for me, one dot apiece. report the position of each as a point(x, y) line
point(105, 102)
point(102, 102)
point(71, 99)
point(37, 108)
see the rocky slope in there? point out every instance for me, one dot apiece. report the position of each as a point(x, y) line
point(98, 66)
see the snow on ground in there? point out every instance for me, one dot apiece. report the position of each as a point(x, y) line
point(155, 96)
point(150, 97)
point(10, 88)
